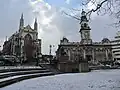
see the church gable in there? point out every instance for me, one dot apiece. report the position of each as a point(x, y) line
point(28, 27)
point(27, 34)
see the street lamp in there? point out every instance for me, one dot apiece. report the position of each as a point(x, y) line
point(51, 49)
point(50, 52)
point(0, 51)
point(40, 57)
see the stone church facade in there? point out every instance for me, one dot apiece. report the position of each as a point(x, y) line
point(69, 54)
point(24, 43)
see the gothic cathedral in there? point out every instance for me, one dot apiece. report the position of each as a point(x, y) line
point(24, 43)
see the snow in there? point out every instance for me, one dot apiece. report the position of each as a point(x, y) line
point(95, 80)
point(21, 72)
point(18, 67)
point(17, 76)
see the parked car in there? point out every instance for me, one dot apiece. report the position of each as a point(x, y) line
point(7, 60)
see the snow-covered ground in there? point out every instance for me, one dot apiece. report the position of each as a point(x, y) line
point(17, 76)
point(18, 67)
point(21, 72)
point(95, 80)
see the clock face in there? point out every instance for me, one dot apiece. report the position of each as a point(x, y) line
point(85, 35)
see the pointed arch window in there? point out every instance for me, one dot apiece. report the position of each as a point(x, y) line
point(28, 39)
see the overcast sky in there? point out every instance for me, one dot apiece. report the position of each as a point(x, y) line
point(53, 25)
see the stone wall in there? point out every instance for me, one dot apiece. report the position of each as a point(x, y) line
point(83, 67)
point(68, 67)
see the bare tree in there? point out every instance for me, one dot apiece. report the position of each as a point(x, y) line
point(101, 7)
point(111, 7)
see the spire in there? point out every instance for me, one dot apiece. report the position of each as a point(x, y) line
point(21, 21)
point(22, 16)
point(36, 20)
point(83, 17)
point(35, 24)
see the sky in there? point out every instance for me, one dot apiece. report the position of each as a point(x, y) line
point(53, 24)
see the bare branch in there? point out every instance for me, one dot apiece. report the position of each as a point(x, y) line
point(112, 7)
point(71, 16)
point(97, 8)
point(74, 9)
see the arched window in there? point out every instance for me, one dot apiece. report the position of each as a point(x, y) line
point(28, 46)
point(28, 36)
point(28, 39)
point(85, 25)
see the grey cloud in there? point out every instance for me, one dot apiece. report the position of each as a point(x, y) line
point(59, 26)
point(102, 26)
point(67, 25)
point(10, 15)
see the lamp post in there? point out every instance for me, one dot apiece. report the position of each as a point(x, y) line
point(50, 52)
point(39, 58)
point(0, 50)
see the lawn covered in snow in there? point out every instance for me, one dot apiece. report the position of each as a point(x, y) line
point(18, 67)
point(95, 80)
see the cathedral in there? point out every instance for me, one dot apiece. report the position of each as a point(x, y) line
point(24, 43)
point(69, 54)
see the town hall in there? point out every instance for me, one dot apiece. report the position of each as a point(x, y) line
point(85, 49)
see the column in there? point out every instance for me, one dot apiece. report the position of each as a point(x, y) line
point(69, 53)
point(93, 56)
point(106, 55)
point(84, 53)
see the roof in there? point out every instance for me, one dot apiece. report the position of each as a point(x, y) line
point(105, 40)
point(28, 27)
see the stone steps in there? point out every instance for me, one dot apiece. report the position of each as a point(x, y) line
point(10, 74)
point(10, 81)
point(14, 75)
point(19, 69)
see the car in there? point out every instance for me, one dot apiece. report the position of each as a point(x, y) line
point(7, 60)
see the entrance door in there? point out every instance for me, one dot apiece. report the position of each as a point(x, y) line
point(28, 46)
point(89, 57)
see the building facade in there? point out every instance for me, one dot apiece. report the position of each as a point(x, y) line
point(24, 43)
point(116, 47)
point(69, 54)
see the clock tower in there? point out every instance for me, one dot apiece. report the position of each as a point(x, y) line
point(85, 29)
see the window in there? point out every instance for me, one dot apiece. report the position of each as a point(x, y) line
point(85, 25)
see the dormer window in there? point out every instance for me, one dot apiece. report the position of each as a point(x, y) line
point(85, 25)
point(64, 40)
